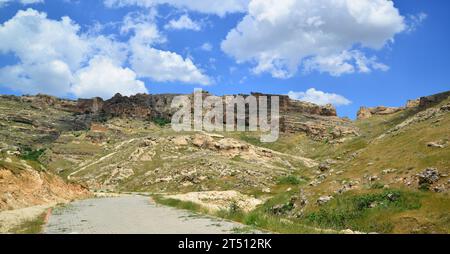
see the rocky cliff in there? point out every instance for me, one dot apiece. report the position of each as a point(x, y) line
point(148, 106)
point(419, 104)
point(320, 122)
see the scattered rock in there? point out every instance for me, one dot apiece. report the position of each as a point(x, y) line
point(373, 178)
point(231, 144)
point(435, 144)
point(393, 197)
point(439, 188)
point(315, 182)
point(446, 107)
point(347, 186)
point(321, 177)
point(374, 204)
point(220, 200)
point(324, 167)
point(388, 171)
point(284, 208)
point(427, 177)
point(324, 199)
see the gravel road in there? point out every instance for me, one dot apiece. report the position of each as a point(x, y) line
point(131, 215)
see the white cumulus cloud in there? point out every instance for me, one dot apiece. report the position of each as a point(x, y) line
point(320, 98)
point(55, 57)
point(52, 57)
point(156, 64)
point(219, 7)
point(344, 63)
point(184, 22)
point(280, 36)
point(165, 66)
point(103, 78)
point(48, 52)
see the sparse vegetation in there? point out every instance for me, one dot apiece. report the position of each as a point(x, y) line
point(365, 212)
point(161, 121)
point(30, 154)
point(290, 180)
point(30, 227)
point(178, 204)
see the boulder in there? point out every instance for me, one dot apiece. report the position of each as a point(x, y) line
point(231, 144)
point(181, 141)
point(324, 167)
point(388, 171)
point(445, 107)
point(435, 145)
point(202, 141)
point(428, 177)
point(324, 199)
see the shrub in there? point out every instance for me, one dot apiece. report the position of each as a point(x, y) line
point(30, 154)
point(377, 185)
point(293, 180)
point(255, 219)
point(161, 121)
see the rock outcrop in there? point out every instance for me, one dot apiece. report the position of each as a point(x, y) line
point(142, 106)
point(295, 116)
point(420, 104)
point(149, 106)
point(365, 113)
point(427, 101)
point(31, 187)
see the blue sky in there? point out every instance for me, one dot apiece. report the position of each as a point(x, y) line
point(352, 54)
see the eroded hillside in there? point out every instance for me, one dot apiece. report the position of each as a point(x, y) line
point(387, 172)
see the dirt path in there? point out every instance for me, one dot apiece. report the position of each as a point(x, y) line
point(130, 215)
point(69, 177)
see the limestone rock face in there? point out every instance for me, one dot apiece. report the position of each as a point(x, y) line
point(142, 106)
point(94, 105)
point(431, 100)
point(413, 103)
point(319, 122)
point(421, 103)
point(315, 119)
point(365, 113)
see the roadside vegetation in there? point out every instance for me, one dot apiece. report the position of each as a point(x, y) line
point(372, 212)
point(34, 226)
